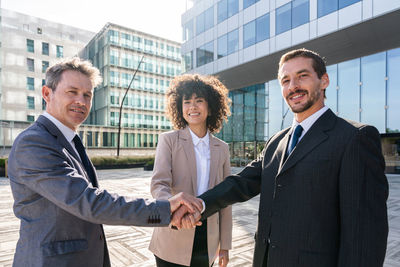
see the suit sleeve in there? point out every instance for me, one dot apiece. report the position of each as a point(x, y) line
point(235, 188)
point(225, 214)
point(47, 169)
point(363, 193)
point(161, 181)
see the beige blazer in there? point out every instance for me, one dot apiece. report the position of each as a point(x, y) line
point(174, 172)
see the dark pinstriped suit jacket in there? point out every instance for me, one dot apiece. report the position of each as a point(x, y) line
point(324, 206)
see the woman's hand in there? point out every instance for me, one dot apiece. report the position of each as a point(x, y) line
point(223, 256)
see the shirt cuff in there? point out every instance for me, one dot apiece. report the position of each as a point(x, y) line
point(204, 206)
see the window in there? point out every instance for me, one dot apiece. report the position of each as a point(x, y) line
point(247, 3)
point(43, 104)
point(114, 57)
point(31, 64)
point(300, 12)
point(228, 43)
point(283, 18)
point(39, 30)
point(187, 61)
point(226, 9)
point(262, 28)
point(113, 36)
point(30, 118)
point(45, 49)
point(45, 65)
point(31, 102)
point(30, 45)
point(292, 15)
point(60, 51)
point(43, 82)
point(249, 34)
point(326, 7)
point(205, 20)
point(187, 31)
point(30, 83)
point(205, 54)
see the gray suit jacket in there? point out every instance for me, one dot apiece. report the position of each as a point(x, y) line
point(60, 211)
point(323, 205)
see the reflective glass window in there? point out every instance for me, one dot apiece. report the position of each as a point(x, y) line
point(283, 18)
point(326, 6)
point(30, 45)
point(331, 91)
point(209, 18)
point(30, 118)
point(113, 36)
point(31, 64)
point(188, 30)
point(373, 90)
point(30, 102)
point(200, 23)
point(233, 7)
point(205, 54)
point(60, 51)
point(45, 49)
point(249, 34)
point(30, 83)
point(344, 3)
point(262, 28)
point(349, 89)
point(188, 61)
point(222, 46)
point(275, 107)
point(222, 10)
point(45, 65)
point(247, 3)
point(300, 12)
point(233, 41)
point(393, 89)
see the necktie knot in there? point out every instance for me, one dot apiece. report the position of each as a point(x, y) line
point(296, 135)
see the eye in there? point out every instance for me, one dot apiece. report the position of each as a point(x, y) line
point(284, 81)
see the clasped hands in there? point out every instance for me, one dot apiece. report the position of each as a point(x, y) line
point(186, 211)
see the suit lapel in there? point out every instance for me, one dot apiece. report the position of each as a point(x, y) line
point(53, 129)
point(214, 161)
point(282, 148)
point(186, 140)
point(314, 136)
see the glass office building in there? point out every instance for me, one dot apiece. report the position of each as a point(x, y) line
point(358, 38)
point(117, 51)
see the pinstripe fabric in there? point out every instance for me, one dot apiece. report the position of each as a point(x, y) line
point(324, 206)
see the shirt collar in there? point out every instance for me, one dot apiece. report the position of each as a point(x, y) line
point(68, 133)
point(307, 123)
point(196, 139)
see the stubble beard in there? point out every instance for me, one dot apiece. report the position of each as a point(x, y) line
point(313, 97)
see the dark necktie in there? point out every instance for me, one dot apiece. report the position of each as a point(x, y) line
point(296, 136)
point(84, 158)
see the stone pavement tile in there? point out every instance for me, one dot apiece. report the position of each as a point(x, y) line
point(128, 244)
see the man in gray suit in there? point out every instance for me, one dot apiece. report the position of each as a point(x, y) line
point(321, 182)
point(54, 184)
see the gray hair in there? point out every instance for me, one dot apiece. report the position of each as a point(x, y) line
point(53, 73)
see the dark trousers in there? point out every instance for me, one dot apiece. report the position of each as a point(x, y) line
point(199, 252)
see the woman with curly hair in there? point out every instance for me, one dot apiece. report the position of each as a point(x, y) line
point(190, 159)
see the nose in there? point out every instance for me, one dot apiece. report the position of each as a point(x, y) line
point(293, 85)
point(80, 99)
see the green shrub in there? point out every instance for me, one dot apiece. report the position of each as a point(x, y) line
point(110, 160)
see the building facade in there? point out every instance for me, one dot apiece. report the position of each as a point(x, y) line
point(117, 51)
point(241, 41)
point(28, 46)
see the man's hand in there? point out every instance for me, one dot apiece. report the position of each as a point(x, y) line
point(191, 220)
point(223, 256)
point(190, 202)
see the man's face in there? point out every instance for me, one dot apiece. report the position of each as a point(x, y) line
point(301, 87)
point(70, 102)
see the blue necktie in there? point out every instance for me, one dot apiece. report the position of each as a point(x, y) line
point(85, 160)
point(296, 136)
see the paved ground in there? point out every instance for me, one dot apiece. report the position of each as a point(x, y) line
point(128, 245)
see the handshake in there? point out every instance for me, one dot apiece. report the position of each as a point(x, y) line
point(186, 211)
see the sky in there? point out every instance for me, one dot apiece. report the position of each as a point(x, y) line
point(157, 17)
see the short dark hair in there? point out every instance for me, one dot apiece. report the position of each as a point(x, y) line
point(318, 63)
point(210, 88)
point(53, 74)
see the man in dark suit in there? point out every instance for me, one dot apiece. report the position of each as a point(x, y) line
point(322, 185)
point(55, 186)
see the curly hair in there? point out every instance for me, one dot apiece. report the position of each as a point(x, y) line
point(210, 88)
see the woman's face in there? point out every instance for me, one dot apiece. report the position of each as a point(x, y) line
point(195, 111)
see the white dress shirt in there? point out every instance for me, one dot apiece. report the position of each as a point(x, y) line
point(202, 152)
point(68, 133)
point(306, 124)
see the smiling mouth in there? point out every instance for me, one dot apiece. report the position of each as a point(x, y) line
point(296, 95)
point(80, 111)
point(194, 114)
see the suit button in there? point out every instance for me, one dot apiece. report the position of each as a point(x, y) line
point(273, 246)
point(279, 185)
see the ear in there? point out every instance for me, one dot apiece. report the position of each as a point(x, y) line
point(324, 81)
point(46, 93)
